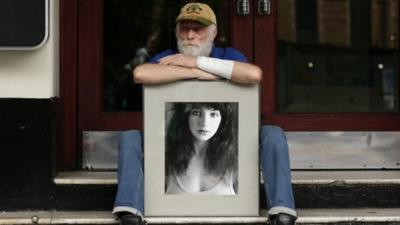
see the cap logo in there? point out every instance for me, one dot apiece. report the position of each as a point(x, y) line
point(194, 9)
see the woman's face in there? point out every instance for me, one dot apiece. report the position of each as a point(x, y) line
point(204, 122)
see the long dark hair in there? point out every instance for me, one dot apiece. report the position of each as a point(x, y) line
point(221, 155)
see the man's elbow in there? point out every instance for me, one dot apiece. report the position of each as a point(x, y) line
point(256, 75)
point(139, 75)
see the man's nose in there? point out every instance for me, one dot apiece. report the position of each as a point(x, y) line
point(191, 34)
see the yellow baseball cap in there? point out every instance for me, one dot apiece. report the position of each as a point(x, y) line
point(199, 12)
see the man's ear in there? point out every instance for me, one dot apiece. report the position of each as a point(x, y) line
point(215, 32)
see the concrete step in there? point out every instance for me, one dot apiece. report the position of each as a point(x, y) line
point(298, 177)
point(367, 216)
point(312, 189)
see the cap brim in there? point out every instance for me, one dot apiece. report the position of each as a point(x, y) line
point(197, 19)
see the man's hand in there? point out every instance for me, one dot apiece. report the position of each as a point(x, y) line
point(187, 62)
point(179, 60)
point(203, 75)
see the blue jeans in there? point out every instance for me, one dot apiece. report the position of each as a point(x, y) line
point(274, 159)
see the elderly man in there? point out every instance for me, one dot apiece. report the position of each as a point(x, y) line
point(198, 58)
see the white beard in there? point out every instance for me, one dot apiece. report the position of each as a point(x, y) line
point(202, 50)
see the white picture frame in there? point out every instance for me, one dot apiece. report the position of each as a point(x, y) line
point(158, 100)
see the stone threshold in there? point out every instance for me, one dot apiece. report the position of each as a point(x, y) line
point(306, 216)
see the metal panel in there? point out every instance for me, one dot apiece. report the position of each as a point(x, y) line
point(100, 149)
point(308, 150)
point(344, 150)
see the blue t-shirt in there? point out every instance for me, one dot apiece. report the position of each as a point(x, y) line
point(220, 53)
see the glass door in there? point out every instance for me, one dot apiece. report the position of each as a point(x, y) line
point(114, 36)
point(335, 64)
point(133, 32)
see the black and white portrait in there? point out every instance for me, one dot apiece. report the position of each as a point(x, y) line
point(201, 148)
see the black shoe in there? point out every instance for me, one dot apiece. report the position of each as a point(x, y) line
point(131, 219)
point(282, 219)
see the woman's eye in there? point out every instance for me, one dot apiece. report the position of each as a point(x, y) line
point(214, 114)
point(195, 112)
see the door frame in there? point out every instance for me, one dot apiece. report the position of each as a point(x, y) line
point(67, 108)
point(80, 84)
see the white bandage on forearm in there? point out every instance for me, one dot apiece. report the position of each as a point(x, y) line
point(219, 67)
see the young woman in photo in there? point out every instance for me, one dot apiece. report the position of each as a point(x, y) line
point(201, 149)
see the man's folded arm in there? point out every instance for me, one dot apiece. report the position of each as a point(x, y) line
point(178, 66)
point(159, 73)
point(246, 73)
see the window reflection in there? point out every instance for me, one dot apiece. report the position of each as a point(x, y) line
point(133, 32)
point(338, 55)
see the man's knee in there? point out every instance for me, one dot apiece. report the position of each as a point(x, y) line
point(272, 133)
point(273, 142)
point(130, 140)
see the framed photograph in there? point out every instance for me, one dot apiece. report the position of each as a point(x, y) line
point(201, 149)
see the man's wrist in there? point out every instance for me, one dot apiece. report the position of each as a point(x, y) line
point(219, 67)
